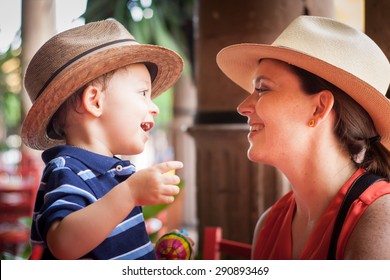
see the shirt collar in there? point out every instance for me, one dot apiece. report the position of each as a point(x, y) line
point(96, 162)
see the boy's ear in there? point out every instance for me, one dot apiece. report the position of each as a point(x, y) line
point(324, 104)
point(92, 100)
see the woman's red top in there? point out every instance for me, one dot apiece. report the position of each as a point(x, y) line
point(274, 241)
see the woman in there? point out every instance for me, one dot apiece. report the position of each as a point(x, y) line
point(318, 112)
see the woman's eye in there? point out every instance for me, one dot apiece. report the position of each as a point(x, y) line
point(261, 90)
point(144, 93)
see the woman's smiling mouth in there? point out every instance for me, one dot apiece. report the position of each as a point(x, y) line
point(256, 127)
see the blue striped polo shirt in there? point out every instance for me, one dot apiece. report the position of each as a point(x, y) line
point(75, 178)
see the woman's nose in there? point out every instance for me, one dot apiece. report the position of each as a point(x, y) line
point(247, 106)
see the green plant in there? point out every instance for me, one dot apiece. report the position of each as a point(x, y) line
point(10, 92)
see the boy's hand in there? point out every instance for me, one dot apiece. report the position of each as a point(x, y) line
point(153, 185)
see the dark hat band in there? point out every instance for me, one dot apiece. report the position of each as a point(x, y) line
point(59, 70)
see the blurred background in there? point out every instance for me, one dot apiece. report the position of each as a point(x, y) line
point(198, 123)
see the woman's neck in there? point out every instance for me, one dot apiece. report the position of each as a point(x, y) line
point(316, 180)
point(314, 188)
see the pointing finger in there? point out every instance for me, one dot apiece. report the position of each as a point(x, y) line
point(168, 166)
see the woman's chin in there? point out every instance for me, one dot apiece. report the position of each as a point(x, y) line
point(256, 156)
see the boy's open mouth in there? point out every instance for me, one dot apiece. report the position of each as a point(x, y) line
point(146, 126)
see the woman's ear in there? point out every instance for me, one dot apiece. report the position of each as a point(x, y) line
point(324, 104)
point(92, 100)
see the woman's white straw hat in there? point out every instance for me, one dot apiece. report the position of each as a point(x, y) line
point(71, 59)
point(332, 50)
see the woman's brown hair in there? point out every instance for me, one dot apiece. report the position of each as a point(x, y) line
point(354, 126)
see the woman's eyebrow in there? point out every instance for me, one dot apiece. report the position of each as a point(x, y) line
point(261, 78)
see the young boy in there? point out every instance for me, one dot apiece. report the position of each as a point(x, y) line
point(92, 89)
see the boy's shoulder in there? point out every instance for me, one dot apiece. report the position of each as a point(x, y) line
point(72, 166)
point(62, 157)
point(69, 162)
point(62, 165)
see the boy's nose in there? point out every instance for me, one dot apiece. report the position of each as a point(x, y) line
point(154, 110)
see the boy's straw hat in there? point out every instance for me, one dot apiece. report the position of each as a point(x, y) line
point(77, 56)
point(332, 50)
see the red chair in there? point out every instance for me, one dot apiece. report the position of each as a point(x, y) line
point(36, 253)
point(17, 197)
point(16, 202)
point(214, 246)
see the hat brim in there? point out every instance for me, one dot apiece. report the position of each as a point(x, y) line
point(169, 68)
point(239, 63)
